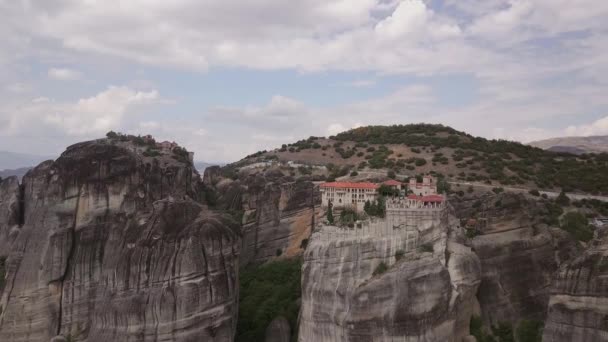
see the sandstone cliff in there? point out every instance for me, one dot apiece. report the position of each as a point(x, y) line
point(578, 306)
point(519, 254)
point(10, 213)
point(427, 294)
point(278, 212)
point(117, 246)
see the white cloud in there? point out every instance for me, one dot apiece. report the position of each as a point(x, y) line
point(335, 128)
point(598, 127)
point(86, 117)
point(531, 62)
point(64, 74)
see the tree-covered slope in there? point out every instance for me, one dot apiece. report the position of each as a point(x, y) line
point(422, 148)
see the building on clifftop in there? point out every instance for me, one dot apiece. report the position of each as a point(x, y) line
point(427, 187)
point(346, 194)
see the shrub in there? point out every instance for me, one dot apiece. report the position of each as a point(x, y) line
point(391, 174)
point(304, 243)
point(279, 252)
point(354, 174)
point(530, 331)
point(471, 233)
point(503, 332)
point(577, 224)
point(562, 199)
point(380, 269)
point(420, 162)
point(498, 190)
point(399, 254)
point(534, 192)
point(348, 216)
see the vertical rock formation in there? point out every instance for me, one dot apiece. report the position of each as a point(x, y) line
point(518, 255)
point(278, 213)
point(423, 295)
point(578, 306)
point(10, 213)
point(115, 246)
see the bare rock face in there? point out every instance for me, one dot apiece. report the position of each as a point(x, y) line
point(278, 213)
point(578, 306)
point(115, 246)
point(518, 255)
point(423, 296)
point(278, 330)
point(10, 213)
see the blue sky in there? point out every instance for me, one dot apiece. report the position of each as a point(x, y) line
point(226, 79)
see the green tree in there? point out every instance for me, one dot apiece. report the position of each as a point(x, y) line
point(381, 211)
point(111, 135)
point(367, 206)
point(391, 174)
point(562, 199)
point(385, 190)
point(577, 224)
point(330, 213)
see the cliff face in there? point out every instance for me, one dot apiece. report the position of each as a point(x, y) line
point(278, 213)
point(518, 255)
point(117, 246)
point(578, 306)
point(422, 296)
point(10, 213)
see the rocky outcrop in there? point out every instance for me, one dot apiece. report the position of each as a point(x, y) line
point(518, 255)
point(278, 213)
point(10, 213)
point(578, 306)
point(423, 295)
point(116, 246)
point(278, 330)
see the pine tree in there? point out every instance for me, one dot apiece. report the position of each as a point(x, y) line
point(381, 206)
point(366, 207)
point(330, 213)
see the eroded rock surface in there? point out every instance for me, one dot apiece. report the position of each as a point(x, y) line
point(423, 296)
point(578, 306)
point(115, 246)
point(519, 255)
point(10, 213)
point(278, 330)
point(278, 213)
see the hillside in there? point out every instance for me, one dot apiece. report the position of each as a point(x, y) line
point(575, 145)
point(422, 148)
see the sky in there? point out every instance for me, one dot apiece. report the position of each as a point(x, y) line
point(227, 78)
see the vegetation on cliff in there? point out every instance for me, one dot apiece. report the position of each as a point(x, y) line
point(266, 292)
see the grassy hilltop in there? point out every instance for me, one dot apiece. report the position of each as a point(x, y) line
point(423, 148)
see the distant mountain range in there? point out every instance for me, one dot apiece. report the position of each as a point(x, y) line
point(575, 145)
point(17, 164)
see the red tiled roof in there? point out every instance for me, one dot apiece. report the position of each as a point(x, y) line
point(345, 185)
point(392, 182)
point(432, 198)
